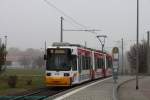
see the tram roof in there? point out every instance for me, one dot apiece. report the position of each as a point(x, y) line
point(68, 45)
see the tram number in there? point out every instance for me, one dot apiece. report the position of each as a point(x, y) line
point(57, 73)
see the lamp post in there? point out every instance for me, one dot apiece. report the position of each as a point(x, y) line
point(137, 55)
point(148, 54)
point(61, 29)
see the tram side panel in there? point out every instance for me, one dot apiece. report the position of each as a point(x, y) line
point(84, 65)
point(98, 69)
point(108, 63)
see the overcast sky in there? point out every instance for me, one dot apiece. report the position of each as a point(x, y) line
point(28, 23)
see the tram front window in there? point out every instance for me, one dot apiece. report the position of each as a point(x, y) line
point(58, 62)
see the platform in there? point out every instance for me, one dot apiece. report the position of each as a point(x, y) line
point(100, 90)
point(127, 91)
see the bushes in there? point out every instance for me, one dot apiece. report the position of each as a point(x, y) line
point(15, 81)
point(29, 81)
point(12, 81)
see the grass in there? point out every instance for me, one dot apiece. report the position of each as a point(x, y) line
point(23, 72)
point(36, 75)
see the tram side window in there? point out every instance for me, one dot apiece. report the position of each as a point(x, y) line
point(96, 64)
point(99, 63)
point(89, 66)
point(102, 63)
point(74, 63)
point(88, 62)
point(80, 63)
point(109, 63)
point(83, 62)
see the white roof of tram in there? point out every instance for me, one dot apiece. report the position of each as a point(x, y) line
point(72, 46)
point(65, 45)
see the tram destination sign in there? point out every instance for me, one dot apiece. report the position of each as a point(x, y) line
point(56, 51)
point(60, 51)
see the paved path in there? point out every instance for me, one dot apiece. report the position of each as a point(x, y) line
point(99, 91)
point(128, 92)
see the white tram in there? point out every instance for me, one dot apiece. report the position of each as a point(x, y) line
point(69, 64)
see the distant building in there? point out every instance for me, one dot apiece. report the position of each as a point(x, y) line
point(13, 62)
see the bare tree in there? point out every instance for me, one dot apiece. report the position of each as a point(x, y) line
point(24, 61)
point(131, 55)
point(31, 58)
point(39, 61)
point(2, 57)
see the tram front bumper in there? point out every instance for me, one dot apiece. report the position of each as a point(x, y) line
point(57, 81)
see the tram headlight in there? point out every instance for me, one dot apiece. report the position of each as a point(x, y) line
point(48, 74)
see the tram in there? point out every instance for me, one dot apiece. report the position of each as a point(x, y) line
point(69, 64)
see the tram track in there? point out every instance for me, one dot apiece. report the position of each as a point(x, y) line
point(39, 94)
point(43, 93)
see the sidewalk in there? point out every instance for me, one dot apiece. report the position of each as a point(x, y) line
point(99, 91)
point(127, 91)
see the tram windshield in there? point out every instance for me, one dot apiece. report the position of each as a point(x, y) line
point(58, 60)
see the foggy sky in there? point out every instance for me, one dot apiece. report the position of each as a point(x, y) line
point(28, 23)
